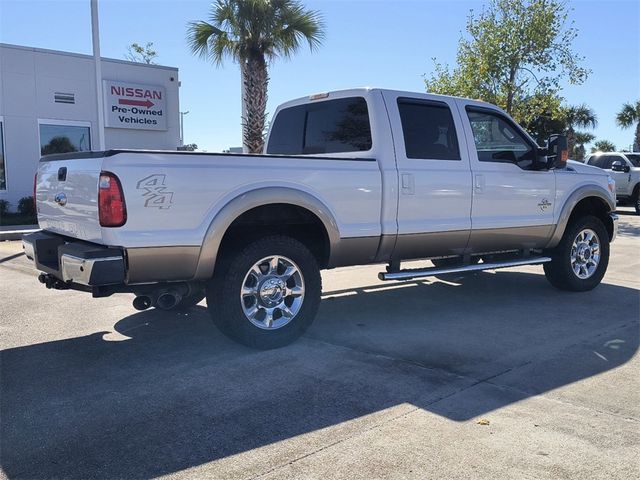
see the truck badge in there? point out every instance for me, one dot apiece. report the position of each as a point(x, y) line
point(154, 191)
point(544, 204)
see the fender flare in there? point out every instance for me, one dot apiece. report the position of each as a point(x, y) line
point(576, 197)
point(252, 199)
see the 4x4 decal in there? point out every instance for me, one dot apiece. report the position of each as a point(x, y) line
point(155, 192)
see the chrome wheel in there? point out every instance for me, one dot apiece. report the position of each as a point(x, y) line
point(272, 292)
point(585, 253)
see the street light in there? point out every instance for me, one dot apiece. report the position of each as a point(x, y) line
point(182, 114)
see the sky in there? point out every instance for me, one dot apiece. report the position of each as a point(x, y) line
point(378, 43)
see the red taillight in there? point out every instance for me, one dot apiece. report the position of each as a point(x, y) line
point(111, 208)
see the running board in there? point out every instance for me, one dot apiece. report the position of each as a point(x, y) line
point(429, 272)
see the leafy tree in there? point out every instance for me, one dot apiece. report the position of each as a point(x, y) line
point(517, 54)
point(141, 53)
point(603, 146)
point(58, 145)
point(577, 116)
point(253, 33)
point(579, 150)
point(627, 116)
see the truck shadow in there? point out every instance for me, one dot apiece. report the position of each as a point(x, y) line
point(168, 392)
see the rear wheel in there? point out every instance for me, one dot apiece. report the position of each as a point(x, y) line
point(636, 199)
point(267, 294)
point(580, 260)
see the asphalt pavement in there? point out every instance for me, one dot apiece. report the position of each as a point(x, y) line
point(492, 375)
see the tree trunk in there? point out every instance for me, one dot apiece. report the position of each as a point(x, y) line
point(636, 140)
point(571, 141)
point(256, 82)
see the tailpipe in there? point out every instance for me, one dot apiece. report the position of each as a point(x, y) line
point(141, 302)
point(167, 300)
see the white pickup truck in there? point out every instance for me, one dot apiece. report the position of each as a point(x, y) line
point(350, 177)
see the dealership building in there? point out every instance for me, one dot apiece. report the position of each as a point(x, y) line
point(48, 104)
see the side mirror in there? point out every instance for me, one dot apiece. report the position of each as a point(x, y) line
point(557, 151)
point(618, 166)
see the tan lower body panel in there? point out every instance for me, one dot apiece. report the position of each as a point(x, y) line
point(160, 264)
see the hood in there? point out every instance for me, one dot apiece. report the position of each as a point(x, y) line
point(584, 168)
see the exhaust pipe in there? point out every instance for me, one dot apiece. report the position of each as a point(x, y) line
point(167, 300)
point(141, 302)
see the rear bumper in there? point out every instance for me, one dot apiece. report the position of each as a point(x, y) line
point(74, 262)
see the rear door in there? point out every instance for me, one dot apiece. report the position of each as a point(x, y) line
point(513, 205)
point(434, 203)
point(67, 195)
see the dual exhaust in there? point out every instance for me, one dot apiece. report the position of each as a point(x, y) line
point(162, 299)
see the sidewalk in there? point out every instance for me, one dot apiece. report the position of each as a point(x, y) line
point(15, 232)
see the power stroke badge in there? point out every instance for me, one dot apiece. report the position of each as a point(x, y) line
point(155, 192)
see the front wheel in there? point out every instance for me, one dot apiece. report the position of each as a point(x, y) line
point(636, 200)
point(267, 294)
point(580, 260)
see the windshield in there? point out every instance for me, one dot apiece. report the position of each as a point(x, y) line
point(634, 159)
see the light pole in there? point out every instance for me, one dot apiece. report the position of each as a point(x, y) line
point(95, 31)
point(182, 114)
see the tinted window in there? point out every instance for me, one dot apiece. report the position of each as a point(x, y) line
point(332, 126)
point(63, 139)
point(498, 140)
point(634, 159)
point(609, 159)
point(428, 130)
point(597, 161)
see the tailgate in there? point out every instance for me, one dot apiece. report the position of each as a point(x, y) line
point(67, 195)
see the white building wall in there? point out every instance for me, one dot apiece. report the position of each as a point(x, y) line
point(29, 77)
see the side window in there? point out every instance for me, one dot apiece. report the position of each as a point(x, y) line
point(498, 140)
point(608, 160)
point(597, 161)
point(332, 126)
point(428, 130)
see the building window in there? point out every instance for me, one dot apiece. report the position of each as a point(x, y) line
point(64, 138)
point(3, 176)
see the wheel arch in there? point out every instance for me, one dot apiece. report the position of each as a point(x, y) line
point(282, 201)
point(588, 199)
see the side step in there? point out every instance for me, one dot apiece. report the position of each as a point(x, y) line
point(429, 272)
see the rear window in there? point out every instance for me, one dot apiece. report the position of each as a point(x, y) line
point(332, 126)
point(428, 130)
point(634, 159)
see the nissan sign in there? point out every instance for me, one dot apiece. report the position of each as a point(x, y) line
point(129, 105)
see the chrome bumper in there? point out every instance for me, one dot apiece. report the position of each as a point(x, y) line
point(75, 262)
point(614, 219)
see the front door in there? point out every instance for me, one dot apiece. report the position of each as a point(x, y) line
point(513, 204)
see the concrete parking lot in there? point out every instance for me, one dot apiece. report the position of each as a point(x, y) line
point(494, 375)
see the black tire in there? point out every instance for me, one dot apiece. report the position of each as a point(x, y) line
point(224, 300)
point(559, 271)
point(636, 199)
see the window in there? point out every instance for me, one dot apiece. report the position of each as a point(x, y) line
point(428, 130)
point(64, 138)
point(498, 140)
point(332, 126)
point(634, 159)
point(3, 176)
point(597, 161)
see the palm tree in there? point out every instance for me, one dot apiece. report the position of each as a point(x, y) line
point(577, 116)
point(626, 117)
point(581, 139)
point(603, 146)
point(253, 33)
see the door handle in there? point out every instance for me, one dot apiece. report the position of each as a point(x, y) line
point(407, 183)
point(479, 183)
